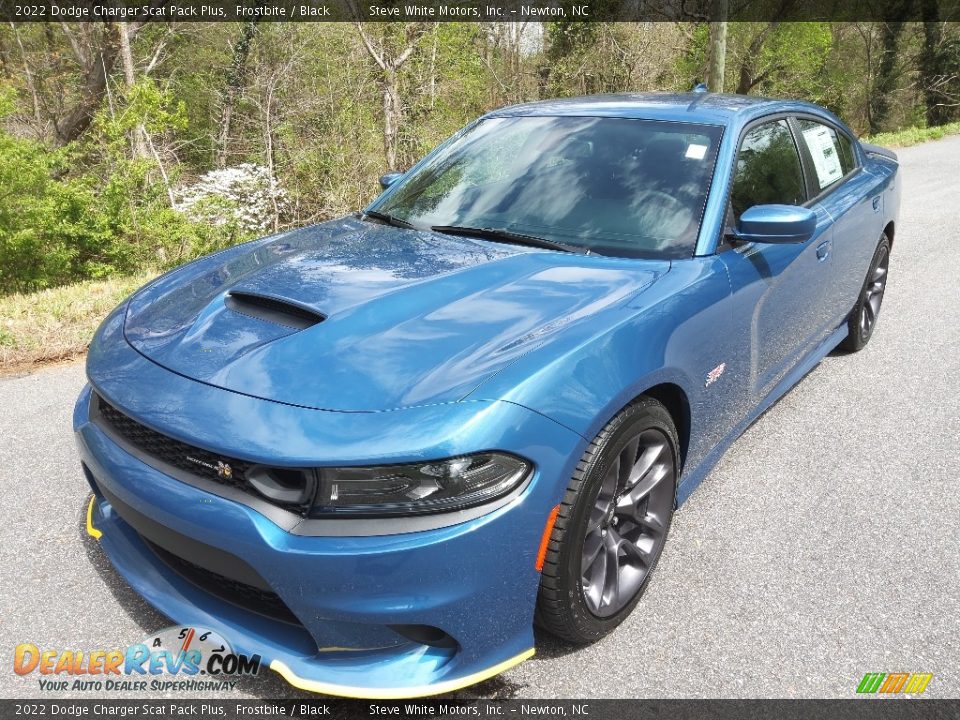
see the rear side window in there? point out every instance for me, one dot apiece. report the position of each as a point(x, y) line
point(847, 156)
point(768, 169)
point(830, 151)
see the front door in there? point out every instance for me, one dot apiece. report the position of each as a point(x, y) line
point(778, 289)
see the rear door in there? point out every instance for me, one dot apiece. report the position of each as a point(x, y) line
point(851, 197)
point(778, 289)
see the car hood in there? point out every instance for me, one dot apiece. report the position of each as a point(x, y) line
point(400, 317)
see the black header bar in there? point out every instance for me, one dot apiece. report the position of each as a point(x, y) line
point(477, 11)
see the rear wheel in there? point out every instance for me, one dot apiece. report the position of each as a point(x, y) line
point(612, 525)
point(863, 317)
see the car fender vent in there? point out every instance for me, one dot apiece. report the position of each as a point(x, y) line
point(273, 310)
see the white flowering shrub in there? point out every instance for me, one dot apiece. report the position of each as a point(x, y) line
point(246, 197)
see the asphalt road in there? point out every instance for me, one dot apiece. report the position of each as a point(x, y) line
point(826, 544)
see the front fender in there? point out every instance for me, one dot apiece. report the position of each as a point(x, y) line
point(675, 332)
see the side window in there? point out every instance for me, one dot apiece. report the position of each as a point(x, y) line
point(831, 152)
point(768, 169)
point(847, 157)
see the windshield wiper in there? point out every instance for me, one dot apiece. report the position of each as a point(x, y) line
point(501, 235)
point(389, 219)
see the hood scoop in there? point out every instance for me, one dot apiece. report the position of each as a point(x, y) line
point(273, 310)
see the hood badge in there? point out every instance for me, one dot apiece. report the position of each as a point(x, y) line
point(222, 469)
point(715, 374)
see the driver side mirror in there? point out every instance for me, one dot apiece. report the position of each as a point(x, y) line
point(389, 179)
point(776, 224)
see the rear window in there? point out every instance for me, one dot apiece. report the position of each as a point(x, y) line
point(830, 151)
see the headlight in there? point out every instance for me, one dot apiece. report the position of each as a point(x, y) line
point(426, 487)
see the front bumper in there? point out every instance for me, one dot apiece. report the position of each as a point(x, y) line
point(476, 581)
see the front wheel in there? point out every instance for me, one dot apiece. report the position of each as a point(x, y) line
point(612, 525)
point(863, 317)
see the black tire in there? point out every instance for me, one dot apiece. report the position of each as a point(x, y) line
point(563, 607)
point(863, 318)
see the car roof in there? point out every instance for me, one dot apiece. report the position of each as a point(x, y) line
point(699, 107)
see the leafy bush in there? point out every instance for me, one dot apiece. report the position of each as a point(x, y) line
point(58, 225)
point(50, 230)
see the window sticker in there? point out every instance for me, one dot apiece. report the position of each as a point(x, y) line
point(823, 149)
point(696, 152)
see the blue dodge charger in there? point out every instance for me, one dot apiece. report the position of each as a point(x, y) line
point(379, 450)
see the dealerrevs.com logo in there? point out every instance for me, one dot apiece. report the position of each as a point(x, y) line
point(187, 659)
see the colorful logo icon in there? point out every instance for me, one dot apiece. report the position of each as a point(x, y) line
point(891, 683)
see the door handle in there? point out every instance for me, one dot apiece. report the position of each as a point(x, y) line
point(823, 249)
point(876, 204)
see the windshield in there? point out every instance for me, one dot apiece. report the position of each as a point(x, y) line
point(613, 186)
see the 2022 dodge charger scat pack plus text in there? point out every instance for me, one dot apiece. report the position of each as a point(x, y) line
point(378, 450)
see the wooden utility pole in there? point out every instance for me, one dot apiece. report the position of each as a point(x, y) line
point(717, 59)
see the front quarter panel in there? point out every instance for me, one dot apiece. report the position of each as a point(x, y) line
point(674, 332)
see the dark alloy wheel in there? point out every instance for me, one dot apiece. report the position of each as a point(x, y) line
point(863, 317)
point(612, 525)
point(626, 528)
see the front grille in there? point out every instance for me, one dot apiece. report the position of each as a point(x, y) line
point(180, 455)
point(262, 602)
